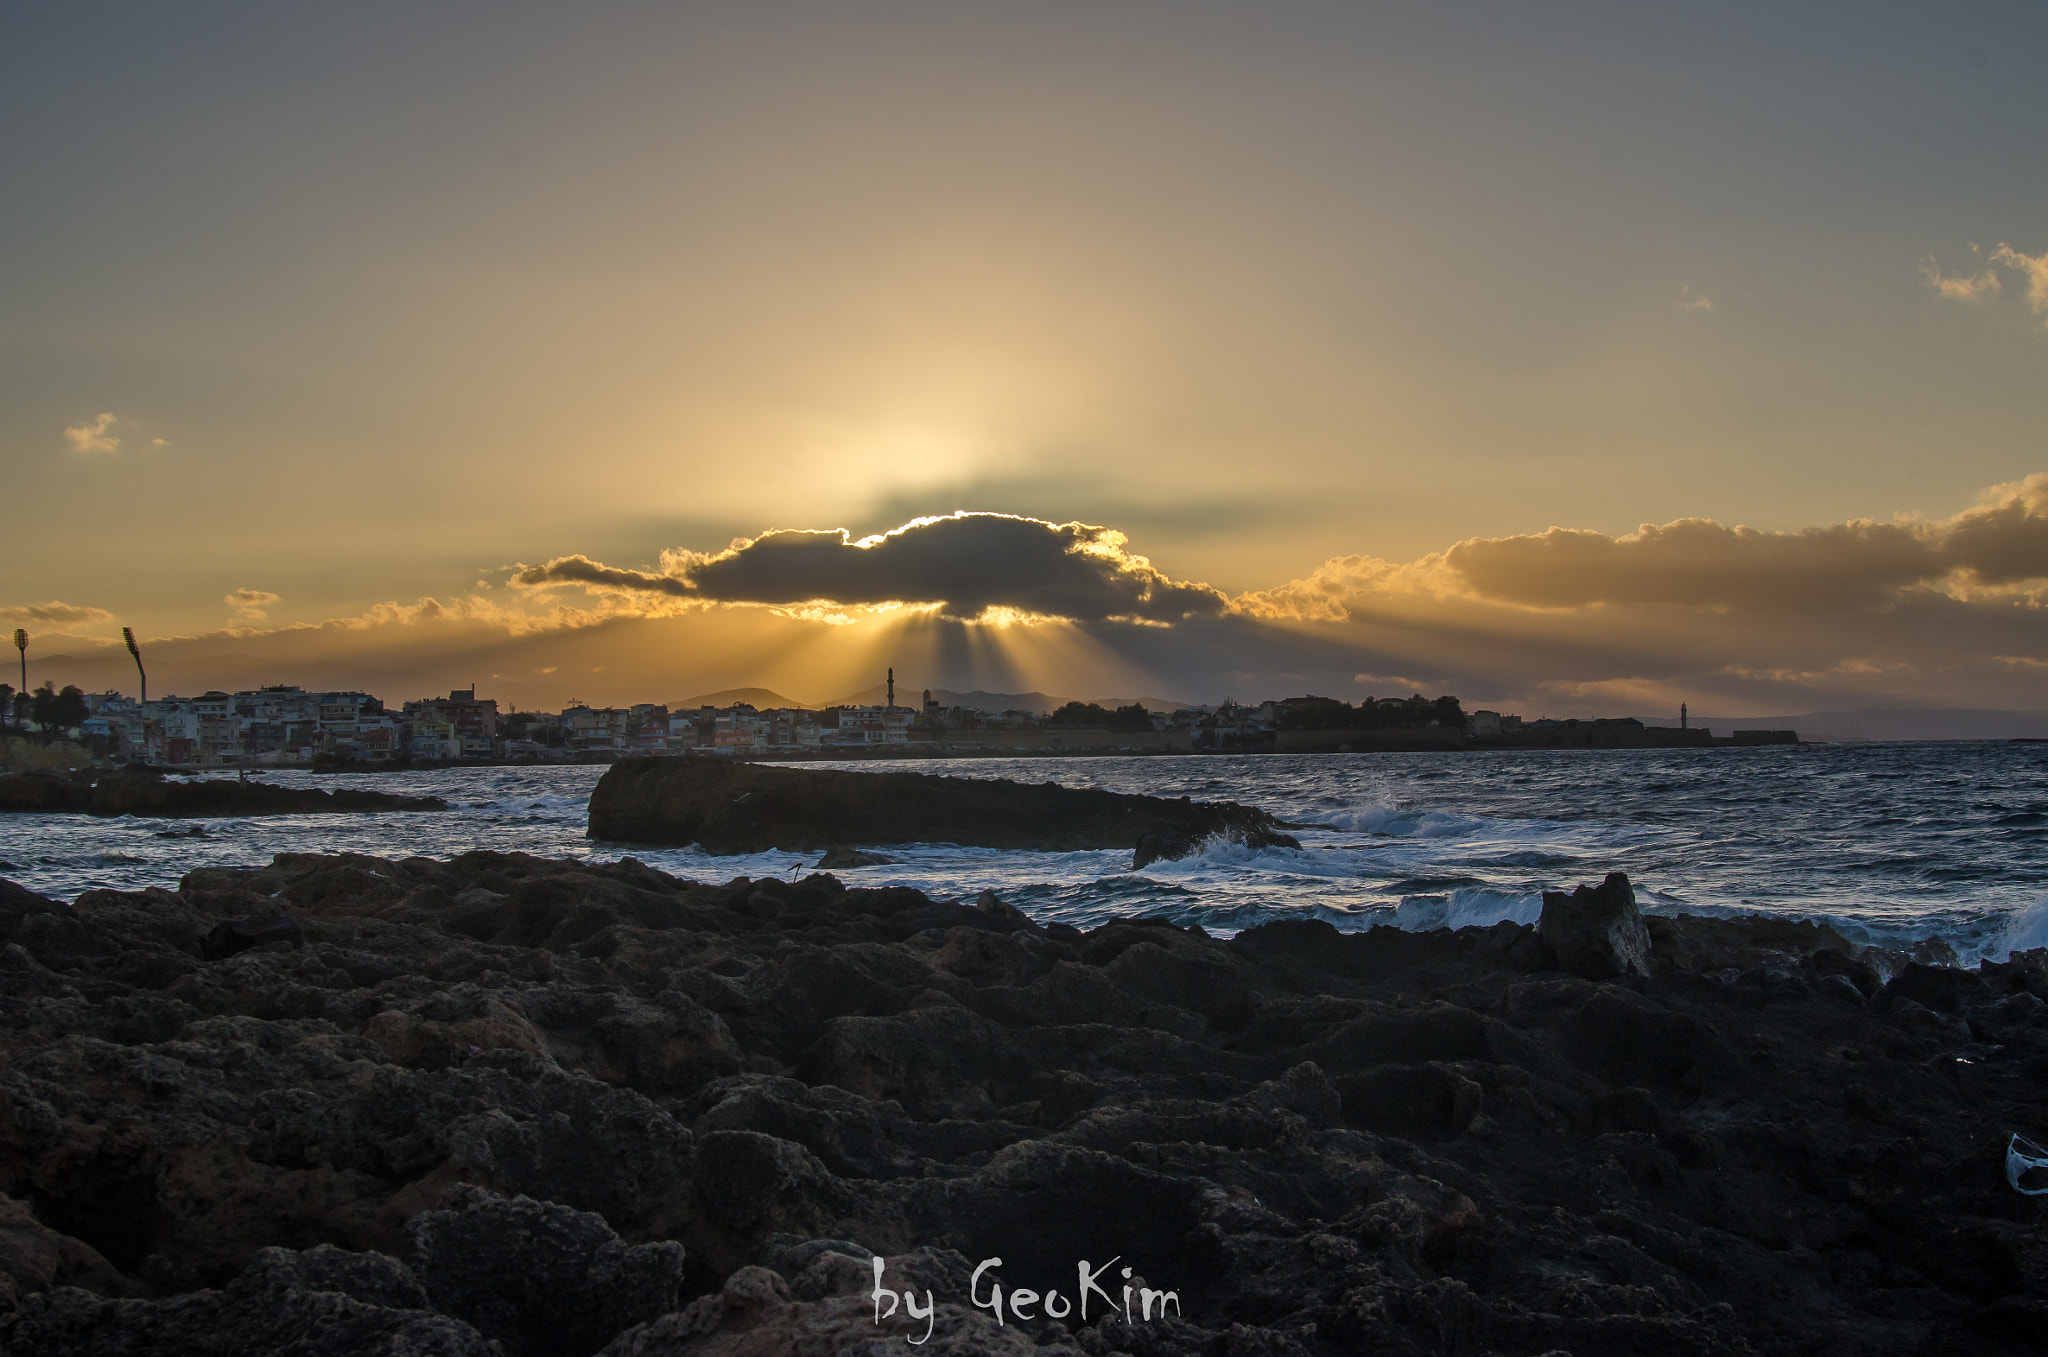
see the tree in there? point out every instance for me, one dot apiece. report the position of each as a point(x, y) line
point(1079, 714)
point(1133, 717)
point(42, 706)
point(6, 703)
point(59, 710)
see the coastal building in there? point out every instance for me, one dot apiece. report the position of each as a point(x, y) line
point(873, 726)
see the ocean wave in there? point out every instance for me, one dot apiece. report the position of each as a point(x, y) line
point(1469, 907)
point(1394, 822)
point(2021, 931)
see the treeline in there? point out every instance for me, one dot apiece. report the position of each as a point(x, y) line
point(1091, 716)
point(1383, 713)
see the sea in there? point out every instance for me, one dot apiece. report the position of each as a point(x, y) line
point(1891, 843)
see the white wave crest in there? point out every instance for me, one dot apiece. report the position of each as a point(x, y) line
point(1467, 907)
point(2023, 930)
point(1381, 818)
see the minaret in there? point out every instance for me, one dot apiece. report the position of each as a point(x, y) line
point(892, 689)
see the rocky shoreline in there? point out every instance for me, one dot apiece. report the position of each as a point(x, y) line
point(149, 793)
point(507, 1104)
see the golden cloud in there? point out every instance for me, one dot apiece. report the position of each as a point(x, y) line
point(93, 436)
point(1998, 544)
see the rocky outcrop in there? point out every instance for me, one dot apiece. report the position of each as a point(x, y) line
point(325, 1302)
point(150, 794)
point(542, 1279)
point(1597, 931)
point(502, 1104)
point(732, 807)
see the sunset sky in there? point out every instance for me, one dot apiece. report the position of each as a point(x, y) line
point(1575, 359)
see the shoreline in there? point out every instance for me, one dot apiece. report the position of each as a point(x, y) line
point(980, 753)
point(697, 1113)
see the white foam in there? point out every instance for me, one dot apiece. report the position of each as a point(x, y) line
point(1466, 907)
point(2023, 930)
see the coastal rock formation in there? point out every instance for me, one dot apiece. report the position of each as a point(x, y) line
point(1597, 931)
point(735, 807)
point(151, 794)
point(503, 1104)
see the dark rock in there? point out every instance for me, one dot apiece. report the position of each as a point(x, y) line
point(1840, 963)
point(1941, 988)
point(840, 858)
point(123, 793)
point(541, 1279)
point(1596, 931)
point(274, 931)
point(1321, 1141)
point(1419, 1102)
point(322, 1303)
point(749, 808)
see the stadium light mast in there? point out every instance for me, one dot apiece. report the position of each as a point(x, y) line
point(21, 644)
point(128, 635)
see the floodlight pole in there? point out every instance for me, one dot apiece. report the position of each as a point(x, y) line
point(128, 635)
point(21, 644)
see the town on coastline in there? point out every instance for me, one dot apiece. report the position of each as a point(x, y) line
point(287, 726)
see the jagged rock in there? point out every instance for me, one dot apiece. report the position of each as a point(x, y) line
point(1418, 1102)
point(756, 1313)
point(1941, 988)
point(321, 1303)
point(541, 1279)
point(1596, 931)
point(277, 932)
point(749, 808)
point(34, 1257)
point(1321, 1141)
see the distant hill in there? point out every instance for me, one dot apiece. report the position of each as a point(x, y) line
point(1931, 723)
point(759, 698)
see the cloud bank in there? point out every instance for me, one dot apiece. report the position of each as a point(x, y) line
point(1912, 612)
point(54, 614)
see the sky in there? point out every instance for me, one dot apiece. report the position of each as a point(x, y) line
point(1575, 359)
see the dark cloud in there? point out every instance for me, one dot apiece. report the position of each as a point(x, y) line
point(582, 570)
point(968, 563)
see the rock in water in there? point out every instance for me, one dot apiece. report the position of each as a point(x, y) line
point(839, 859)
point(1596, 931)
point(126, 793)
point(749, 808)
